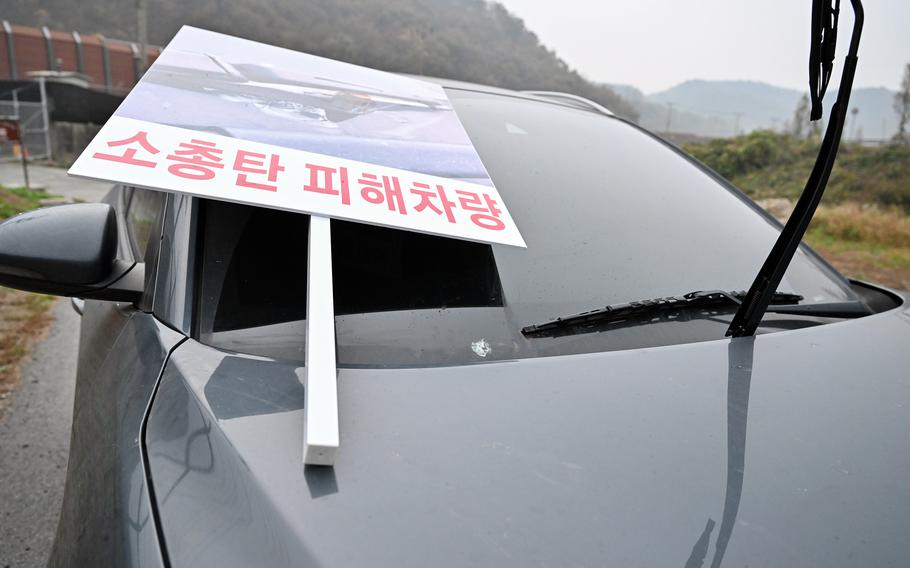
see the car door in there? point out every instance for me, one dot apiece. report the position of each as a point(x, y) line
point(106, 519)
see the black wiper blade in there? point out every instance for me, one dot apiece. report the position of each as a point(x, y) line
point(782, 303)
point(621, 312)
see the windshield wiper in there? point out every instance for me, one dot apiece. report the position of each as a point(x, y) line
point(782, 303)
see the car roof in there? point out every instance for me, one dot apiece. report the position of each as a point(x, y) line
point(569, 100)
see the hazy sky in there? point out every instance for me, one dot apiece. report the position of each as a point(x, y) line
point(655, 44)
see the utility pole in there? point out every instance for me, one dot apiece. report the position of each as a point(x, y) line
point(669, 116)
point(854, 111)
point(45, 118)
point(736, 123)
point(142, 33)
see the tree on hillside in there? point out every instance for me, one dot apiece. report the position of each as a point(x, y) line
point(853, 114)
point(902, 108)
point(816, 129)
point(471, 40)
point(800, 122)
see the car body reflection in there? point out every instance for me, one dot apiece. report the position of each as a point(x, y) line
point(739, 378)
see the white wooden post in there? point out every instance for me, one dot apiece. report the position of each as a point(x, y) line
point(320, 430)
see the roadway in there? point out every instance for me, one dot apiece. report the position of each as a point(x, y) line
point(35, 427)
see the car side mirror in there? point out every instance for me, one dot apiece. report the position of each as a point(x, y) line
point(68, 250)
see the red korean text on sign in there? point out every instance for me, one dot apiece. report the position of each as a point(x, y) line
point(387, 190)
point(428, 195)
point(323, 180)
point(487, 215)
point(129, 155)
point(195, 159)
point(254, 163)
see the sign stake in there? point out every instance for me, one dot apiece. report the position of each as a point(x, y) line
point(320, 430)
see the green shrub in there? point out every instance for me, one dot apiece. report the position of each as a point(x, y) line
point(765, 164)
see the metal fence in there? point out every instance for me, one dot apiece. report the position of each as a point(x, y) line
point(34, 124)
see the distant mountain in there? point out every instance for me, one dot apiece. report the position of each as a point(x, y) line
point(762, 105)
point(718, 108)
point(657, 116)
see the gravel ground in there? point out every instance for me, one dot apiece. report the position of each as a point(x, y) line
point(34, 445)
point(35, 427)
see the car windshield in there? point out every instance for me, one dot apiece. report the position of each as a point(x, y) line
point(610, 214)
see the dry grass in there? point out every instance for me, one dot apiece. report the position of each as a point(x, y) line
point(868, 224)
point(865, 242)
point(862, 241)
point(24, 319)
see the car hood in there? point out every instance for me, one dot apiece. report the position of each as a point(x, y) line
point(789, 449)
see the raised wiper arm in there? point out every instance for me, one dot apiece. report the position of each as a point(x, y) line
point(824, 30)
point(621, 312)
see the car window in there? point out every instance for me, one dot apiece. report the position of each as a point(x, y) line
point(610, 215)
point(255, 260)
point(254, 267)
point(142, 217)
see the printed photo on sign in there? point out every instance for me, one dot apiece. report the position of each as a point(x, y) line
point(225, 85)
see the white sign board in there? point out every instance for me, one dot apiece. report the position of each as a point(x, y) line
point(224, 118)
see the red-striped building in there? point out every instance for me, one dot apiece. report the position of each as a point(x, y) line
point(110, 65)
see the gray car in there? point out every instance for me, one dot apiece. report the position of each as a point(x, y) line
point(474, 431)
